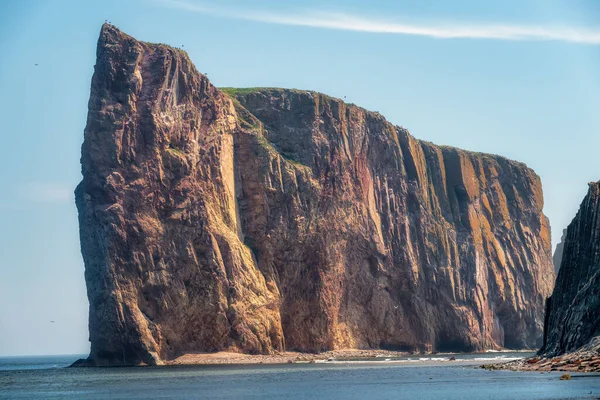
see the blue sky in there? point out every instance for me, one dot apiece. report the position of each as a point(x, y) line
point(516, 78)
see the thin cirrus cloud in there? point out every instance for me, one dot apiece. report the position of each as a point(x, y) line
point(47, 192)
point(441, 30)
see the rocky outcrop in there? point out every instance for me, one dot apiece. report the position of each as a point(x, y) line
point(584, 359)
point(260, 220)
point(573, 317)
point(558, 251)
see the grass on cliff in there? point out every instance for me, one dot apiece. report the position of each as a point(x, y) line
point(231, 91)
point(176, 151)
point(321, 97)
point(265, 143)
point(292, 160)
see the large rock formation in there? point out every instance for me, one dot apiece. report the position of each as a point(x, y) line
point(573, 311)
point(271, 219)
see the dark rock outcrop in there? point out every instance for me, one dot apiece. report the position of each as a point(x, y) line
point(271, 219)
point(558, 251)
point(573, 310)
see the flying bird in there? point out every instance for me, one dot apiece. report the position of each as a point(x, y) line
point(52, 321)
point(35, 65)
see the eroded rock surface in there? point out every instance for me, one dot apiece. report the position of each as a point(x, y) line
point(573, 311)
point(271, 219)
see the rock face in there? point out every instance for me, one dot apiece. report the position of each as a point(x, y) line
point(558, 252)
point(573, 317)
point(272, 219)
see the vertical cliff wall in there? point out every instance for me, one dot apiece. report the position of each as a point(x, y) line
point(267, 219)
point(558, 252)
point(573, 312)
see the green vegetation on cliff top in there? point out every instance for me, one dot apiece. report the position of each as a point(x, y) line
point(231, 91)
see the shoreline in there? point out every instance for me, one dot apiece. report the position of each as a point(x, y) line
point(337, 356)
point(579, 361)
point(286, 357)
point(347, 356)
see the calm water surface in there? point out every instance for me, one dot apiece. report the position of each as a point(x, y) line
point(406, 378)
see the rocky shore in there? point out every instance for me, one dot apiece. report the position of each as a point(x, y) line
point(287, 357)
point(586, 359)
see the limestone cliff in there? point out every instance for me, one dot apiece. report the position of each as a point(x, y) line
point(573, 317)
point(259, 220)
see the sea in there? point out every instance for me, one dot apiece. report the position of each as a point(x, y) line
point(418, 377)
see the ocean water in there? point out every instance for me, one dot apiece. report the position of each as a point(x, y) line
point(402, 378)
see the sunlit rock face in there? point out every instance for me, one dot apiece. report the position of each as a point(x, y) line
point(260, 220)
point(573, 311)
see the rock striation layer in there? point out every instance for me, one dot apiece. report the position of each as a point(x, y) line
point(261, 220)
point(573, 317)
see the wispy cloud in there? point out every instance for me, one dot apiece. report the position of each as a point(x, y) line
point(47, 192)
point(440, 30)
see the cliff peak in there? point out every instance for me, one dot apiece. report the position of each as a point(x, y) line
point(111, 35)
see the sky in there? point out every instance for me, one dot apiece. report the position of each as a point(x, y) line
point(519, 78)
